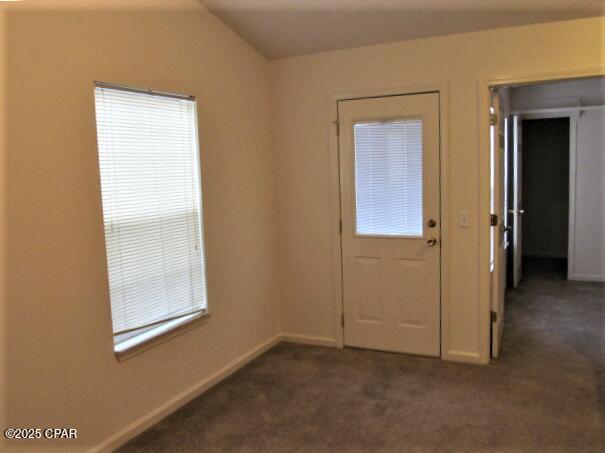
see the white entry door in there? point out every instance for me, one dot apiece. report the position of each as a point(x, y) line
point(389, 173)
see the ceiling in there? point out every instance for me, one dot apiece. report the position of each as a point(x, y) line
point(282, 28)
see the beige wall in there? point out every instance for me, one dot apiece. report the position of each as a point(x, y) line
point(301, 108)
point(62, 371)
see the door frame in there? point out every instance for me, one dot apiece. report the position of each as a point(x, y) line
point(497, 232)
point(442, 88)
point(484, 84)
point(573, 114)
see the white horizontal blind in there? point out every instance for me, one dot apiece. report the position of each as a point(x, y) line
point(150, 183)
point(388, 177)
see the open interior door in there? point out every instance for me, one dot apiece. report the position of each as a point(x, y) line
point(516, 210)
point(497, 229)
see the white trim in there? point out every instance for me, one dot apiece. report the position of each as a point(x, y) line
point(308, 339)
point(554, 111)
point(573, 114)
point(587, 278)
point(125, 347)
point(545, 114)
point(483, 87)
point(335, 213)
point(155, 415)
point(465, 357)
point(138, 426)
point(441, 87)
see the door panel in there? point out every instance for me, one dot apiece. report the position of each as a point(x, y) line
point(368, 301)
point(389, 165)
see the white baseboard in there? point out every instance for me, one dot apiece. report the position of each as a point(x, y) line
point(149, 419)
point(587, 278)
point(453, 355)
point(146, 421)
point(307, 339)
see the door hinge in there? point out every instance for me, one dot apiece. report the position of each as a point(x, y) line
point(337, 125)
point(342, 320)
point(493, 219)
point(493, 119)
point(340, 226)
point(493, 316)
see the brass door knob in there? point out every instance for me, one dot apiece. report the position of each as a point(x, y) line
point(432, 242)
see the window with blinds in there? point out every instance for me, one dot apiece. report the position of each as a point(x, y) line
point(152, 208)
point(388, 177)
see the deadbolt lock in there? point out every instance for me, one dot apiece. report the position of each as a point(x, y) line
point(432, 223)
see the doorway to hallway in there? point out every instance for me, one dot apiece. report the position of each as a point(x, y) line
point(546, 192)
point(548, 186)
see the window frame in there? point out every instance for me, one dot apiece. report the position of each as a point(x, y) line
point(139, 340)
point(356, 233)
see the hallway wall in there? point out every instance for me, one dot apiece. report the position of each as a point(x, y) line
point(589, 256)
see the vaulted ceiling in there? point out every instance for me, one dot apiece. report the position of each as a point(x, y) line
point(282, 28)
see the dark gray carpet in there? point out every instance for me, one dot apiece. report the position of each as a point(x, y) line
point(546, 393)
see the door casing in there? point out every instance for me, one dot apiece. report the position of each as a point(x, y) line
point(400, 260)
point(443, 90)
point(498, 273)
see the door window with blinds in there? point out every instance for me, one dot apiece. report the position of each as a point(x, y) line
point(388, 178)
point(152, 211)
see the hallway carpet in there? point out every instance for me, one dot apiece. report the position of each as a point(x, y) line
point(546, 393)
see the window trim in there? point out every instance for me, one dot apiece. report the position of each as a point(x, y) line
point(385, 120)
point(166, 94)
point(157, 334)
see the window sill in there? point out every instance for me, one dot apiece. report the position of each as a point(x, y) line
point(157, 335)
